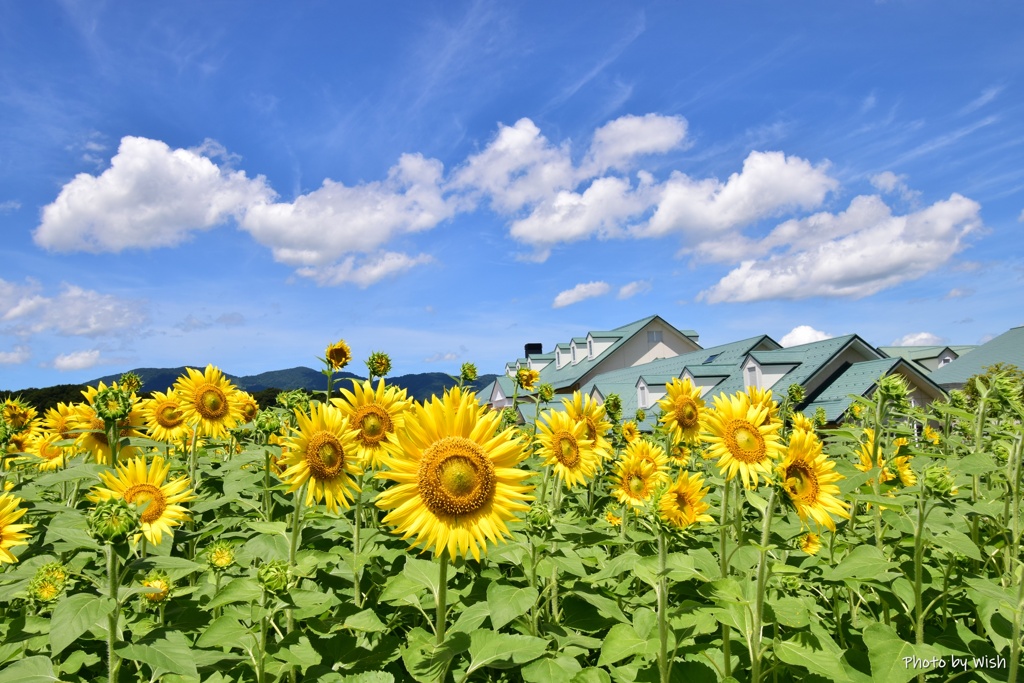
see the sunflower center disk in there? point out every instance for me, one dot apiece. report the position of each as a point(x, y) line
point(150, 496)
point(686, 412)
point(568, 452)
point(374, 422)
point(456, 477)
point(801, 483)
point(683, 501)
point(637, 485)
point(212, 403)
point(168, 416)
point(324, 456)
point(746, 443)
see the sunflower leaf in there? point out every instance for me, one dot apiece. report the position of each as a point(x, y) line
point(506, 603)
point(75, 615)
point(502, 651)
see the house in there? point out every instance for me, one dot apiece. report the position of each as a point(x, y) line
point(1006, 348)
point(929, 358)
point(829, 371)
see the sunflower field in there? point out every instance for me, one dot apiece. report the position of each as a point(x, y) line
point(363, 537)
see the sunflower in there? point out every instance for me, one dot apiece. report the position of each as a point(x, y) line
point(807, 475)
point(810, 543)
point(634, 481)
point(338, 355)
point(60, 420)
point(378, 414)
point(612, 518)
point(762, 398)
point(564, 446)
point(48, 455)
point(165, 420)
point(904, 473)
point(682, 410)
point(680, 454)
point(93, 432)
point(322, 451)
point(682, 503)
point(11, 534)
point(17, 413)
point(456, 477)
point(247, 406)
point(630, 432)
point(742, 438)
point(801, 422)
point(642, 449)
point(931, 435)
point(135, 482)
point(527, 378)
point(588, 411)
point(865, 464)
point(209, 400)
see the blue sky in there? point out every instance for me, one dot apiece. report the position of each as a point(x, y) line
point(243, 183)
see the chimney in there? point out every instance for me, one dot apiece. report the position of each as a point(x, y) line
point(533, 349)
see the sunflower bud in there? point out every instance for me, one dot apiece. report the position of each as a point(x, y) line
point(274, 576)
point(293, 400)
point(958, 399)
point(612, 518)
point(160, 582)
point(468, 372)
point(641, 415)
point(220, 555)
point(527, 378)
point(795, 394)
point(112, 404)
point(819, 418)
point(940, 481)
point(509, 418)
point(130, 382)
point(613, 407)
point(112, 520)
point(895, 390)
point(267, 421)
point(540, 517)
point(48, 583)
point(379, 364)
point(546, 392)
point(338, 355)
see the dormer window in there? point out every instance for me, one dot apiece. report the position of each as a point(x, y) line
point(642, 396)
point(752, 376)
point(945, 361)
point(590, 348)
point(573, 353)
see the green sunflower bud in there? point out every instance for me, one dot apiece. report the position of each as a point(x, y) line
point(113, 404)
point(220, 555)
point(267, 421)
point(546, 392)
point(795, 394)
point(613, 407)
point(509, 418)
point(641, 415)
point(895, 390)
point(160, 583)
point(293, 400)
point(379, 364)
point(112, 520)
point(274, 576)
point(468, 372)
point(540, 516)
point(940, 481)
point(820, 418)
point(130, 382)
point(44, 589)
point(55, 571)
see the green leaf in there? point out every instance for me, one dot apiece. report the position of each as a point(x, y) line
point(32, 670)
point(954, 541)
point(591, 675)
point(164, 651)
point(558, 668)
point(240, 590)
point(269, 528)
point(502, 651)
point(297, 651)
point(894, 660)
point(809, 651)
point(424, 660)
point(864, 563)
point(365, 621)
point(76, 660)
point(227, 631)
point(605, 606)
point(423, 572)
point(368, 677)
point(73, 616)
point(507, 603)
point(622, 641)
point(471, 617)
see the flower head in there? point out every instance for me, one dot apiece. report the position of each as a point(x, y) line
point(145, 487)
point(810, 543)
point(338, 355)
point(378, 364)
point(564, 447)
point(806, 475)
point(682, 502)
point(742, 438)
point(378, 414)
point(527, 378)
point(209, 400)
point(11, 534)
point(682, 410)
point(323, 452)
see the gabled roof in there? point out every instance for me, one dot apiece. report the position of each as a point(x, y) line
point(1006, 348)
point(913, 352)
point(778, 357)
point(579, 340)
point(859, 380)
point(605, 335)
point(816, 355)
point(543, 356)
point(653, 380)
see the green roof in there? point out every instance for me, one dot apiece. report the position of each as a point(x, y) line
point(605, 335)
point(912, 352)
point(779, 357)
point(579, 340)
point(1006, 348)
point(859, 380)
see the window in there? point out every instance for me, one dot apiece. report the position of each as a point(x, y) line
point(654, 336)
point(945, 360)
point(558, 358)
point(643, 396)
point(752, 376)
point(573, 353)
point(711, 358)
point(590, 348)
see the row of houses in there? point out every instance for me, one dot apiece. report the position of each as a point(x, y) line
point(636, 361)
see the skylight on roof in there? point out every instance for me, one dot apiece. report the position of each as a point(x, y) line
point(711, 358)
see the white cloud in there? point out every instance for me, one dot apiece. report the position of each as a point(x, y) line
point(9, 206)
point(631, 289)
point(854, 254)
point(1020, 218)
point(587, 290)
point(372, 269)
point(803, 334)
point(617, 143)
point(919, 339)
point(77, 360)
point(957, 293)
point(74, 311)
point(440, 356)
point(332, 222)
point(520, 167)
point(16, 356)
point(890, 183)
point(151, 196)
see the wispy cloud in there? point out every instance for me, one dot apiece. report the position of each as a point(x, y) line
point(586, 290)
point(986, 96)
point(631, 289)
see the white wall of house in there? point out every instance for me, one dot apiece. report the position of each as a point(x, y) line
point(854, 353)
point(597, 346)
point(771, 374)
point(637, 350)
point(537, 365)
point(705, 384)
point(561, 358)
point(648, 395)
point(578, 352)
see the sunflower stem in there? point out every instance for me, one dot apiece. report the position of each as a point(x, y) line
point(261, 667)
point(267, 503)
point(113, 661)
point(193, 464)
point(724, 565)
point(356, 570)
point(664, 667)
point(762, 578)
point(625, 523)
point(440, 599)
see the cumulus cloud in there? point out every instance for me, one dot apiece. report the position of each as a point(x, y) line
point(803, 334)
point(618, 143)
point(77, 360)
point(335, 220)
point(587, 290)
point(919, 339)
point(854, 254)
point(151, 196)
point(16, 356)
point(365, 272)
point(631, 289)
point(74, 311)
point(890, 183)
